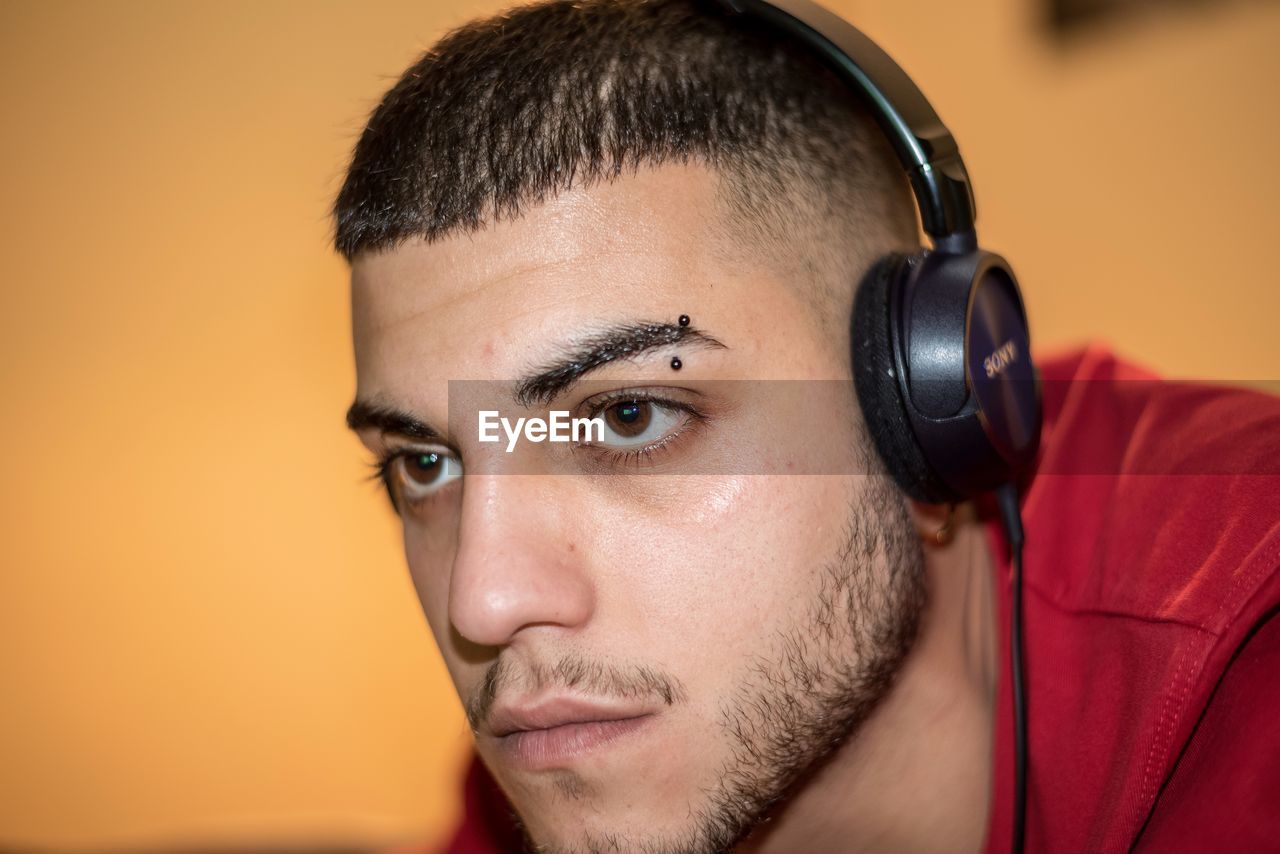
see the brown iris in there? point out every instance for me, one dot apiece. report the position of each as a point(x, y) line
point(629, 419)
point(423, 468)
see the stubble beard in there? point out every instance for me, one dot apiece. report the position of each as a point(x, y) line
point(813, 689)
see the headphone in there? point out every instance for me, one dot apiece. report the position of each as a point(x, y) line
point(940, 346)
point(941, 352)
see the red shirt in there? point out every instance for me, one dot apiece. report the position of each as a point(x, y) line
point(1151, 586)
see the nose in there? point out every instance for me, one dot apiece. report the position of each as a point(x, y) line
point(516, 566)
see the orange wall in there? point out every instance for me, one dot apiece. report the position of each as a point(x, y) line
point(205, 626)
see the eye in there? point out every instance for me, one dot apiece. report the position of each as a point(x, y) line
point(419, 474)
point(639, 422)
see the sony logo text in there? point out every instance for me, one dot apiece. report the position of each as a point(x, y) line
point(1003, 356)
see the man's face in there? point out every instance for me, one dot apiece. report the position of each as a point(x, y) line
point(655, 633)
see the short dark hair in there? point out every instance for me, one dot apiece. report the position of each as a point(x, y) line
point(506, 111)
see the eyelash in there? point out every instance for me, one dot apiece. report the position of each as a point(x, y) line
point(635, 457)
point(380, 466)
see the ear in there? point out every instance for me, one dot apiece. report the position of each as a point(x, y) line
point(935, 523)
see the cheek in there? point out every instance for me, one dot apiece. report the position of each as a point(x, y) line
point(429, 556)
point(715, 564)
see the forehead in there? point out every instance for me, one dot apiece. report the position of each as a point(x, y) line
point(659, 221)
point(484, 305)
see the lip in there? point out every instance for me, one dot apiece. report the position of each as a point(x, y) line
point(559, 730)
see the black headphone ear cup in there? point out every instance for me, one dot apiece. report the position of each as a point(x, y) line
point(875, 377)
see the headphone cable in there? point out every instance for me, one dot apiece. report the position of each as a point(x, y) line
point(1011, 515)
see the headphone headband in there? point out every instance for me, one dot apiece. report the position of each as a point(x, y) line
point(922, 142)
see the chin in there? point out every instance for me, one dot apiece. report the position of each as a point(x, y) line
point(634, 816)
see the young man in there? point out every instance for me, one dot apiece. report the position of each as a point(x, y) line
point(716, 623)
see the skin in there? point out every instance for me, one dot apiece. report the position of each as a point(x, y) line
point(695, 577)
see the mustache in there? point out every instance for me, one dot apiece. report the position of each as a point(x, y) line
point(593, 677)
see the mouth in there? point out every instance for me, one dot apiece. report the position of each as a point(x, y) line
point(556, 732)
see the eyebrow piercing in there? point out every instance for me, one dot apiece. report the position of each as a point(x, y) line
point(676, 364)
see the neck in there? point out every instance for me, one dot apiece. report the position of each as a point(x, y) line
point(917, 775)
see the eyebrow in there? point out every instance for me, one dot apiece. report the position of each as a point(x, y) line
point(388, 419)
point(614, 343)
